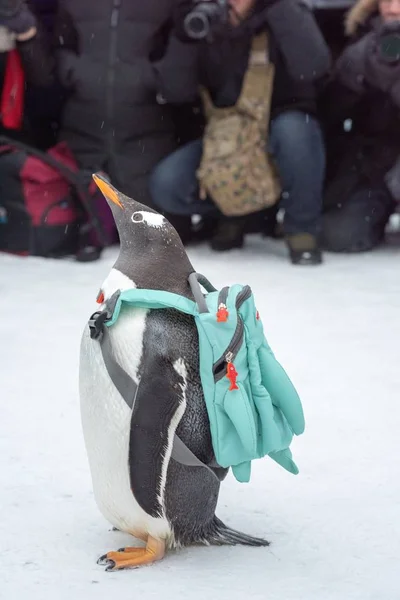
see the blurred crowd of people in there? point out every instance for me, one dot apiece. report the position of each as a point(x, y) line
point(153, 93)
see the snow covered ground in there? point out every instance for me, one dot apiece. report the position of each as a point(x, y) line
point(335, 528)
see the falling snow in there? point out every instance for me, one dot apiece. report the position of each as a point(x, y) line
point(334, 528)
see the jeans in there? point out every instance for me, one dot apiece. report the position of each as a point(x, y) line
point(296, 143)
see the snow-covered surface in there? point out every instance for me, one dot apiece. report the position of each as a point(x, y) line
point(335, 528)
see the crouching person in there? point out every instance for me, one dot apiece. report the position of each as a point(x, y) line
point(364, 184)
point(292, 133)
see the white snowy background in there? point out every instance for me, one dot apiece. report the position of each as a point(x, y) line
point(334, 528)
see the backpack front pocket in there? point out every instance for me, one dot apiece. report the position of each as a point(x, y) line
point(232, 400)
point(238, 408)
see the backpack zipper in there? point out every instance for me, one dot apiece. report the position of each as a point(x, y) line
point(237, 340)
point(223, 295)
point(230, 353)
point(242, 296)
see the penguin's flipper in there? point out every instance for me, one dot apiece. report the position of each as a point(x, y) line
point(158, 408)
point(132, 558)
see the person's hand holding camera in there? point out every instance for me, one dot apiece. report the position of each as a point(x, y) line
point(240, 10)
point(18, 19)
point(211, 17)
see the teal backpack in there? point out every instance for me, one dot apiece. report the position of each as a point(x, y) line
point(253, 408)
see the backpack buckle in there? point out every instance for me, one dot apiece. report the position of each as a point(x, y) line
point(96, 324)
point(99, 318)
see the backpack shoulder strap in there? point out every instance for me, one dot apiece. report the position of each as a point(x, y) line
point(258, 79)
point(142, 298)
point(156, 299)
point(128, 389)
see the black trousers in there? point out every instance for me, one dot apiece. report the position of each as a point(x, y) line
point(358, 223)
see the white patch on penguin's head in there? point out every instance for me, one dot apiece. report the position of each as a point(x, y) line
point(152, 219)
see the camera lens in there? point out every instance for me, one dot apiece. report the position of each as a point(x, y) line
point(196, 25)
point(390, 47)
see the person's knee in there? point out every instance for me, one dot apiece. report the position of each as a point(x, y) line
point(359, 224)
point(343, 232)
point(174, 176)
point(295, 127)
point(341, 236)
point(297, 147)
point(296, 142)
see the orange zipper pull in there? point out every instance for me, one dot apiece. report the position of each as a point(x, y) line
point(100, 298)
point(231, 372)
point(222, 313)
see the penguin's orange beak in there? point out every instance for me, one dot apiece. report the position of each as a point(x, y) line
point(107, 189)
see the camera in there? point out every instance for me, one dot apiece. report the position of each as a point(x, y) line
point(389, 47)
point(205, 18)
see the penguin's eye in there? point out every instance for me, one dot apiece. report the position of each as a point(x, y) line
point(137, 217)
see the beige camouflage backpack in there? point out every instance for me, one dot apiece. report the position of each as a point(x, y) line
point(235, 170)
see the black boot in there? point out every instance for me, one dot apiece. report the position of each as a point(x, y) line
point(229, 234)
point(304, 249)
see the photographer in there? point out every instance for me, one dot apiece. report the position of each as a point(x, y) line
point(364, 183)
point(22, 59)
point(106, 61)
point(300, 58)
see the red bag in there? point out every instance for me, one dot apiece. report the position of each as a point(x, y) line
point(13, 92)
point(46, 206)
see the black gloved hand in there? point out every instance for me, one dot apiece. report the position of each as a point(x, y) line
point(20, 22)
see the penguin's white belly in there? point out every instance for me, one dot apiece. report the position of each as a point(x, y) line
point(106, 421)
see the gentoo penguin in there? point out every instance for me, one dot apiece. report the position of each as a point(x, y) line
point(139, 487)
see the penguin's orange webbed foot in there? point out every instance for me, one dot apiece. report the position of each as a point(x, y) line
point(128, 558)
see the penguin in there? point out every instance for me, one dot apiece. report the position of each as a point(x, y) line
point(139, 487)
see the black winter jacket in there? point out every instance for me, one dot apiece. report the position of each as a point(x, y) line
point(113, 57)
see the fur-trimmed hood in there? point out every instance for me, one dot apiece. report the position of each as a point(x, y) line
point(359, 14)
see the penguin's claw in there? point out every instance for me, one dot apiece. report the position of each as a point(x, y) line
point(133, 557)
point(103, 560)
